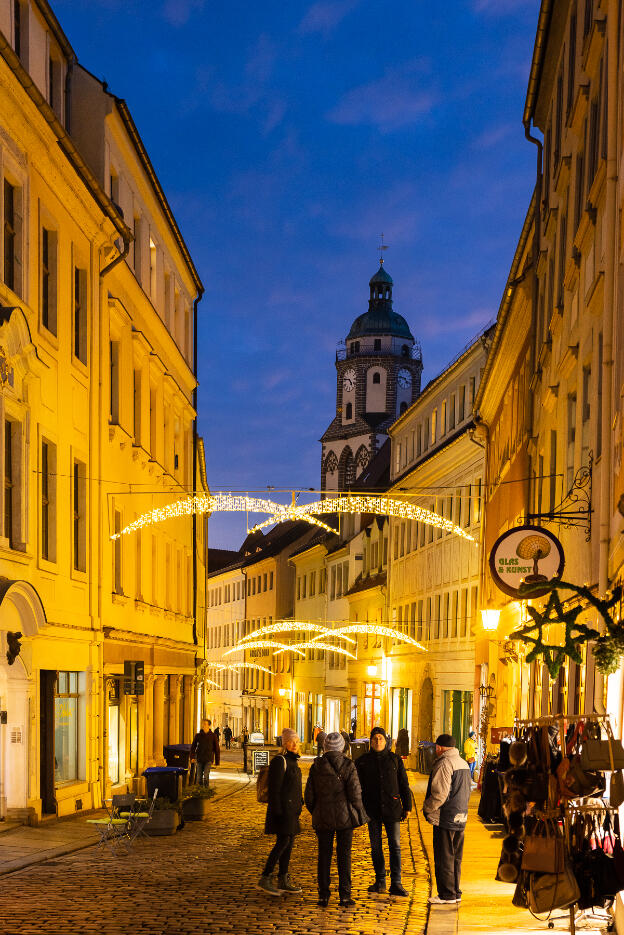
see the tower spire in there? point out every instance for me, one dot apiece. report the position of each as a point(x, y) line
point(382, 246)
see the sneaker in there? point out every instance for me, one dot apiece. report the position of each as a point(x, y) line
point(347, 903)
point(438, 901)
point(379, 886)
point(286, 885)
point(397, 890)
point(267, 885)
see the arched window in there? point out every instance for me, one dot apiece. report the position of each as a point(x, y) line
point(349, 411)
point(403, 407)
point(405, 350)
point(377, 377)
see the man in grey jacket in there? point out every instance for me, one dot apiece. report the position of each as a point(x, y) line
point(446, 808)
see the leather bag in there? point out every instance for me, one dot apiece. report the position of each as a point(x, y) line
point(548, 891)
point(543, 850)
point(616, 789)
point(602, 754)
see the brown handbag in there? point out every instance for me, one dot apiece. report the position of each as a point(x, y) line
point(543, 850)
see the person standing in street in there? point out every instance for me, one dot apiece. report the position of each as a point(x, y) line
point(217, 733)
point(334, 799)
point(470, 752)
point(446, 808)
point(282, 815)
point(387, 799)
point(245, 742)
point(205, 750)
point(320, 739)
point(227, 736)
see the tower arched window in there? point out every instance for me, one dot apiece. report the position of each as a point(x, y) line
point(405, 351)
point(349, 411)
point(403, 407)
point(377, 344)
point(377, 377)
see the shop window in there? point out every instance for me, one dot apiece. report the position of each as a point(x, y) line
point(69, 725)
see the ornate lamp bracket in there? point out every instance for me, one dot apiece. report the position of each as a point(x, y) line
point(575, 510)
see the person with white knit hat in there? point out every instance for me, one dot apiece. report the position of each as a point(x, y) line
point(334, 798)
point(282, 815)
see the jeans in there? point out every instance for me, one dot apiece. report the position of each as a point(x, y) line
point(281, 852)
point(472, 768)
point(202, 777)
point(448, 850)
point(344, 840)
point(393, 833)
point(227, 743)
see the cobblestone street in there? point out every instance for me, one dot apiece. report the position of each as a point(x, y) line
point(203, 880)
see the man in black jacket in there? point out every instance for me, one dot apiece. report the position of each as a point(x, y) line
point(387, 799)
point(205, 749)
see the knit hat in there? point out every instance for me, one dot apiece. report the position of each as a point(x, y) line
point(445, 740)
point(333, 743)
point(289, 734)
point(378, 730)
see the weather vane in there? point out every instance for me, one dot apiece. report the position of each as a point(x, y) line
point(382, 246)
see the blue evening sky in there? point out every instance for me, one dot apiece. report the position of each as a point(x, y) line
point(287, 136)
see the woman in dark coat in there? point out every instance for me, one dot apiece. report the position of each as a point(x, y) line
point(334, 798)
point(282, 815)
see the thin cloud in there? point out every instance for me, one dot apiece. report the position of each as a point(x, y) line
point(493, 136)
point(325, 15)
point(254, 92)
point(502, 7)
point(395, 100)
point(179, 12)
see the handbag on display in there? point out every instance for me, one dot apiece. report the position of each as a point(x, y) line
point(604, 755)
point(543, 849)
point(573, 781)
point(616, 789)
point(548, 891)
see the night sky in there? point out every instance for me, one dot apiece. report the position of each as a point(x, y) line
point(288, 136)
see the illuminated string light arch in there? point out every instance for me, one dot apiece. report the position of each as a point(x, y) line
point(378, 630)
point(283, 626)
point(249, 665)
point(261, 644)
point(329, 647)
point(309, 512)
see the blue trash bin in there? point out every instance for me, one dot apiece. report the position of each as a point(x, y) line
point(167, 779)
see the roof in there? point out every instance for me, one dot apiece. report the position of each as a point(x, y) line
point(381, 276)
point(367, 583)
point(380, 319)
point(376, 475)
point(537, 62)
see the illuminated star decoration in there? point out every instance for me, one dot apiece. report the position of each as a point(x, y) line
point(576, 634)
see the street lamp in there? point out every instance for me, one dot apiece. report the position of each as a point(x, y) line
point(490, 619)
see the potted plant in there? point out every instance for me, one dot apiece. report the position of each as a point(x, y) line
point(165, 818)
point(195, 802)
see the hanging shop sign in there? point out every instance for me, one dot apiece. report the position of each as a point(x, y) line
point(526, 555)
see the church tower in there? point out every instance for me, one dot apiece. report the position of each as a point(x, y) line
point(379, 369)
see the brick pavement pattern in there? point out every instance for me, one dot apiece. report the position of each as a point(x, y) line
point(203, 880)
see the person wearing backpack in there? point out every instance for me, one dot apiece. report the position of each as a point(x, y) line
point(334, 798)
point(284, 804)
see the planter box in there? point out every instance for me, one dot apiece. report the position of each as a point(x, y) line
point(195, 809)
point(163, 822)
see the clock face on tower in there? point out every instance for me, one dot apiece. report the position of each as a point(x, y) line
point(348, 381)
point(404, 379)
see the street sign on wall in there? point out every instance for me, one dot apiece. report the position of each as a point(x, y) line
point(526, 555)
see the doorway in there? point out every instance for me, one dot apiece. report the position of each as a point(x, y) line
point(47, 761)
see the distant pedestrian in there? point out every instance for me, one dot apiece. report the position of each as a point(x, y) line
point(347, 743)
point(227, 736)
point(217, 733)
point(320, 739)
point(205, 750)
point(334, 798)
point(315, 732)
point(387, 800)
point(402, 744)
point(282, 815)
point(446, 808)
point(470, 752)
point(245, 742)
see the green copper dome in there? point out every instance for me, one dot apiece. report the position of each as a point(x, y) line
point(380, 319)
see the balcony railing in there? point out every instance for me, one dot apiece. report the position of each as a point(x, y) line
point(368, 349)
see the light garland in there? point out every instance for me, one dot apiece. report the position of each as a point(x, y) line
point(259, 644)
point(249, 665)
point(377, 630)
point(328, 647)
point(211, 682)
point(282, 626)
point(226, 503)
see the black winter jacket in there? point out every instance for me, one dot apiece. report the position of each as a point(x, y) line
point(205, 747)
point(285, 801)
point(333, 794)
point(385, 787)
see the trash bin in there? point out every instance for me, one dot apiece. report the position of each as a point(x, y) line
point(167, 779)
point(177, 754)
point(358, 747)
point(426, 756)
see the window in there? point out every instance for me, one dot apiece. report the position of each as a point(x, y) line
point(443, 419)
point(434, 419)
point(48, 279)
point(270, 581)
point(376, 377)
point(10, 487)
point(117, 554)
point(137, 406)
point(114, 381)
point(11, 237)
point(17, 28)
point(54, 84)
point(136, 247)
point(599, 399)
point(426, 435)
point(349, 411)
point(376, 347)
point(312, 583)
point(571, 62)
point(69, 726)
point(138, 565)
point(80, 314)
point(80, 516)
point(451, 413)
point(418, 440)
point(48, 501)
point(462, 403)
point(153, 270)
point(153, 422)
